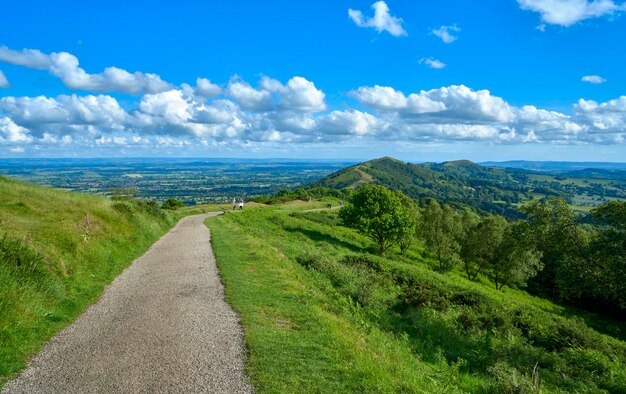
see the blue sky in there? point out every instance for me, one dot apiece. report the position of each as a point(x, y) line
point(419, 80)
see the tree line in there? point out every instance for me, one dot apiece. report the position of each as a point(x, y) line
point(551, 250)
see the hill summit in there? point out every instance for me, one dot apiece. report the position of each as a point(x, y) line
point(460, 182)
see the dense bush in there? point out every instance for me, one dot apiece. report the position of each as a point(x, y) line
point(172, 203)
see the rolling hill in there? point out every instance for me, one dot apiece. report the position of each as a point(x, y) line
point(485, 188)
point(457, 182)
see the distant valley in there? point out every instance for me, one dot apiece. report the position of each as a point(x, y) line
point(488, 187)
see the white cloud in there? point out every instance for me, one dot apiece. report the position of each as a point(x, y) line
point(33, 112)
point(206, 88)
point(433, 63)
point(607, 117)
point(112, 79)
point(248, 97)
point(66, 67)
point(301, 95)
point(13, 133)
point(568, 12)
point(444, 32)
point(595, 79)
point(4, 82)
point(30, 58)
point(380, 97)
point(381, 21)
point(295, 113)
point(349, 122)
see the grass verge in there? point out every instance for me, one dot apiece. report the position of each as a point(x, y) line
point(58, 250)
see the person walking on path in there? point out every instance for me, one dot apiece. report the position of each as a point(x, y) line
point(241, 203)
point(234, 203)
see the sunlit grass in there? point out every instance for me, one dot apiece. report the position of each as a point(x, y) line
point(322, 314)
point(81, 243)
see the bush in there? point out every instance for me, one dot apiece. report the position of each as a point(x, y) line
point(126, 208)
point(172, 203)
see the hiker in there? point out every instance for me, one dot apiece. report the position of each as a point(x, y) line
point(241, 203)
point(234, 203)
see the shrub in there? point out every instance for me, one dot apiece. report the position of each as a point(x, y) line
point(126, 208)
point(172, 203)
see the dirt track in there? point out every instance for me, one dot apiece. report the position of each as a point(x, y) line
point(161, 326)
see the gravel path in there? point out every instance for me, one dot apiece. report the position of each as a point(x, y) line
point(161, 326)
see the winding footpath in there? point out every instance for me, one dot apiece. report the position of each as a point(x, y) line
point(162, 326)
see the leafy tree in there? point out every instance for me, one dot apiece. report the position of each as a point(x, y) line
point(172, 203)
point(481, 243)
point(513, 261)
point(441, 230)
point(552, 229)
point(380, 214)
point(607, 255)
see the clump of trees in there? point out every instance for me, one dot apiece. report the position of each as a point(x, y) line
point(386, 217)
point(551, 250)
point(490, 246)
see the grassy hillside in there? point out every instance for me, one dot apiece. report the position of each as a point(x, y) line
point(58, 250)
point(489, 189)
point(322, 314)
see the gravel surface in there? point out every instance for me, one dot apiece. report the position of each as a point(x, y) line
point(161, 326)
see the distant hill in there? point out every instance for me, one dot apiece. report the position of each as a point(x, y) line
point(459, 182)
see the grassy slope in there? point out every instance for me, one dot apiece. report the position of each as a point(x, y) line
point(77, 244)
point(316, 322)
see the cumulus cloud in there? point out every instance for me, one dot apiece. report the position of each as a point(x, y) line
point(30, 58)
point(12, 133)
point(380, 97)
point(446, 33)
point(349, 122)
point(432, 63)
point(66, 67)
point(301, 95)
point(249, 97)
point(460, 113)
point(4, 82)
point(39, 113)
point(295, 112)
point(568, 12)
point(381, 21)
point(595, 79)
point(206, 88)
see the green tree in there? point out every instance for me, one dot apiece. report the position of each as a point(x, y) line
point(607, 255)
point(172, 203)
point(481, 243)
point(441, 230)
point(514, 261)
point(553, 230)
point(380, 214)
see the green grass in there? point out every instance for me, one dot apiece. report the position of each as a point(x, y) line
point(58, 250)
point(321, 314)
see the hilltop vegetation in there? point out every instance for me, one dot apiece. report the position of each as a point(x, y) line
point(486, 189)
point(58, 250)
point(322, 312)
